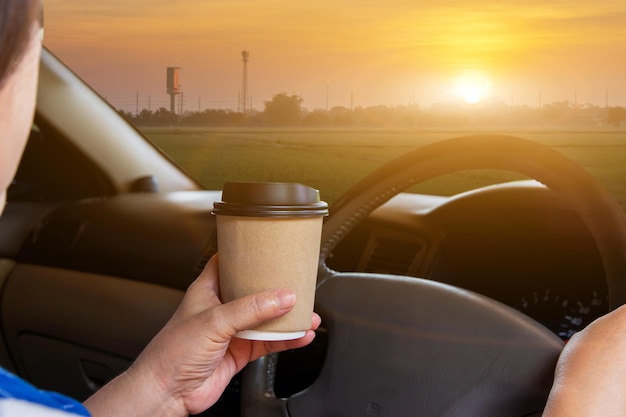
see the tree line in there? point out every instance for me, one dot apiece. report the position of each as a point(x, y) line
point(287, 110)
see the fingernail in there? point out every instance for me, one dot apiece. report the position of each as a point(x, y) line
point(286, 299)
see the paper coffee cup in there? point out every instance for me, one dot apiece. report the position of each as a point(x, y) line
point(269, 237)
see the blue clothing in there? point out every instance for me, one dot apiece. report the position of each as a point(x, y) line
point(14, 390)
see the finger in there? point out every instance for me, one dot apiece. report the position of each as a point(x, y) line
point(204, 291)
point(316, 321)
point(248, 312)
point(209, 277)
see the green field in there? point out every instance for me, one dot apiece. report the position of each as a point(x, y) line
point(332, 159)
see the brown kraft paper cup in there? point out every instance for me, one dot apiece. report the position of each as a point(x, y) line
point(269, 246)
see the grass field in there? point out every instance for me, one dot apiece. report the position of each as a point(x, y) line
point(332, 159)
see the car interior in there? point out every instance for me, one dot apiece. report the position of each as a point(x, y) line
point(467, 298)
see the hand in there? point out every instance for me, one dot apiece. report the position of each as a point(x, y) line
point(190, 362)
point(590, 377)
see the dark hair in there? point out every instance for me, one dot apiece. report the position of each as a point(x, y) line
point(17, 23)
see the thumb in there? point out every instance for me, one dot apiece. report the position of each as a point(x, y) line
point(248, 312)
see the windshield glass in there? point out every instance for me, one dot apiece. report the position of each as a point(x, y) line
point(324, 92)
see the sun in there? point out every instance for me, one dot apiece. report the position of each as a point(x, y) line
point(472, 86)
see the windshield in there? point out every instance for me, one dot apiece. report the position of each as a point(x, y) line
point(324, 92)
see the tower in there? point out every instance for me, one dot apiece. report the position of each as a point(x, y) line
point(173, 86)
point(244, 83)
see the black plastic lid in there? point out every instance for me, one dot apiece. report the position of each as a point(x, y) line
point(270, 199)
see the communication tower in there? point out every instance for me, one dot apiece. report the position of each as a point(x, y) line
point(173, 86)
point(244, 83)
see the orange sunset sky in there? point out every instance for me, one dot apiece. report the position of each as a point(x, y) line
point(351, 52)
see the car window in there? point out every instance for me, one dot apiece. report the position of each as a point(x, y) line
point(325, 92)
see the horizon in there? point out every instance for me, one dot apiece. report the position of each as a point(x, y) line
point(345, 53)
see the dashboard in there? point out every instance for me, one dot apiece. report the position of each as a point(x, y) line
point(516, 243)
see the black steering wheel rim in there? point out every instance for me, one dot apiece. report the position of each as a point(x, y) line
point(597, 208)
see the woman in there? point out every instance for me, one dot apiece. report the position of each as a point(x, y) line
point(177, 374)
point(187, 366)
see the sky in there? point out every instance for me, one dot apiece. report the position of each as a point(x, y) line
point(345, 52)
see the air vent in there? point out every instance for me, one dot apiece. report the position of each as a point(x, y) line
point(392, 256)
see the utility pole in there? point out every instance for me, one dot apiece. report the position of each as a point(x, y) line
point(244, 82)
point(327, 84)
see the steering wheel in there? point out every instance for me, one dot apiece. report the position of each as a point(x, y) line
point(405, 346)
